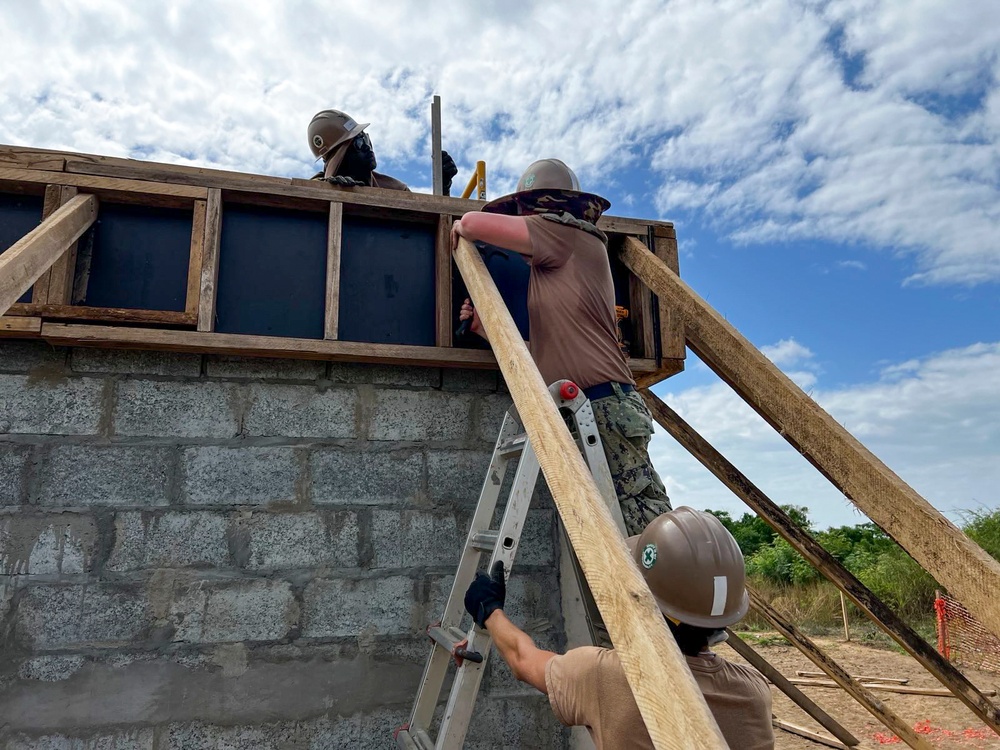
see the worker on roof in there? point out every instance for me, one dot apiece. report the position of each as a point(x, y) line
point(695, 571)
point(348, 156)
point(571, 317)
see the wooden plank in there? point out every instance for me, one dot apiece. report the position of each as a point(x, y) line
point(60, 275)
point(29, 257)
point(335, 237)
point(672, 707)
point(210, 261)
point(861, 678)
point(641, 315)
point(106, 314)
point(29, 159)
point(19, 326)
point(442, 282)
point(191, 301)
point(51, 202)
point(837, 673)
point(800, 699)
point(823, 561)
point(806, 733)
point(906, 689)
point(656, 375)
point(107, 185)
point(957, 562)
point(67, 334)
point(671, 323)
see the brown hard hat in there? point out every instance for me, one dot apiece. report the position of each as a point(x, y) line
point(694, 568)
point(551, 174)
point(549, 186)
point(329, 129)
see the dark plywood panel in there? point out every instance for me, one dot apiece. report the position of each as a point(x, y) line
point(135, 257)
point(272, 272)
point(19, 214)
point(510, 272)
point(387, 282)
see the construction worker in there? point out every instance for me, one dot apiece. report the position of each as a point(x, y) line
point(695, 571)
point(571, 317)
point(348, 156)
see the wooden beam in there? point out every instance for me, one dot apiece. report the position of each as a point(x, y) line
point(30, 256)
point(859, 677)
point(837, 673)
point(50, 204)
point(800, 699)
point(106, 314)
point(20, 327)
point(957, 562)
point(195, 258)
point(442, 283)
point(99, 184)
point(115, 337)
point(60, 275)
point(210, 261)
point(906, 689)
point(806, 733)
point(671, 705)
point(928, 657)
point(334, 241)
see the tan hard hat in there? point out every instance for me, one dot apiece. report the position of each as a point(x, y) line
point(549, 186)
point(694, 568)
point(551, 174)
point(329, 129)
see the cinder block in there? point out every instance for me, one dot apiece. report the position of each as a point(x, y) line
point(360, 373)
point(26, 356)
point(420, 415)
point(245, 610)
point(50, 668)
point(515, 723)
point(489, 417)
point(538, 545)
point(346, 477)
point(301, 411)
point(54, 405)
point(136, 362)
point(533, 599)
point(409, 538)
point(213, 475)
point(273, 736)
point(345, 607)
point(13, 460)
point(134, 739)
point(169, 540)
point(301, 540)
point(46, 544)
point(434, 591)
point(258, 368)
point(156, 408)
point(73, 616)
point(113, 475)
point(454, 379)
point(456, 476)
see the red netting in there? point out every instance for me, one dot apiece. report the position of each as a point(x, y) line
point(962, 639)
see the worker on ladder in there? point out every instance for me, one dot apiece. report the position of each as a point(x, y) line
point(571, 317)
point(695, 570)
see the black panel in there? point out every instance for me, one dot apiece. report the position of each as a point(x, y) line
point(138, 257)
point(510, 273)
point(19, 214)
point(272, 272)
point(387, 282)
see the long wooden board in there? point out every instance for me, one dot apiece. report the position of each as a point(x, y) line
point(906, 689)
point(823, 561)
point(957, 562)
point(672, 706)
point(33, 254)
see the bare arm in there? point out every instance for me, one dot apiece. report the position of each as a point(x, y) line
point(524, 658)
point(508, 232)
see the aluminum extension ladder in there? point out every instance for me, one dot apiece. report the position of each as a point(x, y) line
point(474, 645)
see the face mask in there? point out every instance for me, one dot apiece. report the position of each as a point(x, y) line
point(359, 161)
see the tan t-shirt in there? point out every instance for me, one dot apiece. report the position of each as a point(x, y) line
point(571, 307)
point(587, 687)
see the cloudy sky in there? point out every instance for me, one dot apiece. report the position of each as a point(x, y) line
point(832, 167)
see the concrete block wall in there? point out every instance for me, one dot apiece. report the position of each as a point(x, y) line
point(207, 551)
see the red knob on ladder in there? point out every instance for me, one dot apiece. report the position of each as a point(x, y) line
point(568, 391)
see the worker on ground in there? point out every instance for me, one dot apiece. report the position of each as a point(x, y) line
point(695, 571)
point(571, 317)
point(348, 156)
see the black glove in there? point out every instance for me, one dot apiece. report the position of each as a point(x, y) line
point(448, 170)
point(486, 595)
point(346, 181)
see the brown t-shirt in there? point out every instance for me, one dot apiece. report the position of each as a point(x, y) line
point(587, 687)
point(571, 307)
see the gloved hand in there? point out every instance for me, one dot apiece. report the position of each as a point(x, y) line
point(448, 171)
point(486, 595)
point(344, 181)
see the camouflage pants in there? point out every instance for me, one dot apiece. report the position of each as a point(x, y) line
point(626, 426)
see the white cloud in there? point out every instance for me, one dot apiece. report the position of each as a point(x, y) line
point(739, 113)
point(855, 265)
point(935, 421)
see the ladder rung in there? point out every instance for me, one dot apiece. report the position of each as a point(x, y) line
point(422, 739)
point(449, 638)
point(514, 446)
point(485, 541)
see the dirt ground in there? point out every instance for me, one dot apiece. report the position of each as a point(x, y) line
point(945, 722)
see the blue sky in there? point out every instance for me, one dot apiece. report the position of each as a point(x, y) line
point(831, 165)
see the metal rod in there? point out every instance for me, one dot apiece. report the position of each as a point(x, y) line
point(436, 146)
